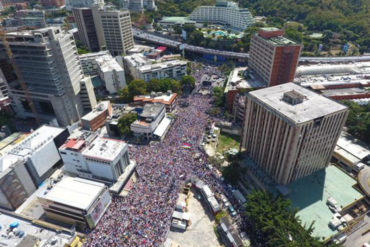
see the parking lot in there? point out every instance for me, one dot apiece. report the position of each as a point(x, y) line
point(200, 233)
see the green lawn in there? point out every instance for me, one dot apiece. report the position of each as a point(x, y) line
point(225, 142)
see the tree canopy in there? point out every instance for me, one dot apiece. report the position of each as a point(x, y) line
point(358, 121)
point(272, 222)
point(124, 123)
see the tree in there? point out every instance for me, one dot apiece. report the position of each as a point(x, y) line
point(232, 173)
point(177, 29)
point(188, 80)
point(154, 85)
point(175, 86)
point(137, 87)
point(218, 96)
point(358, 121)
point(125, 95)
point(125, 122)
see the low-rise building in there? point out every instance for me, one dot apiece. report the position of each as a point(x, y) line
point(96, 118)
point(75, 201)
point(171, 21)
point(16, 184)
point(88, 62)
point(169, 99)
point(87, 155)
point(31, 18)
point(111, 123)
point(40, 150)
point(141, 68)
point(148, 120)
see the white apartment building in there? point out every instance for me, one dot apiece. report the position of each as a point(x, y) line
point(113, 28)
point(75, 201)
point(224, 13)
point(148, 120)
point(139, 5)
point(141, 68)
point(111, 73)
point(291, 131)
point(89, 156)
point(88, 62)
point(40, 151)
point(48, 61)
point(70, 4)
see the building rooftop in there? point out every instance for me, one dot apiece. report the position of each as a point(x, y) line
point(176, 19)
point(345, 91)
point(36, 140)
point(351, 149)
point(99, 109)
point(313, 105)
point(108, 63)
point(164, 98)
point(81, 192)
point(162, 65)
point(310, 194)
point(237, 80)
point(93, 55)
point(152, 110)
point(137, 60)
point(104, 149)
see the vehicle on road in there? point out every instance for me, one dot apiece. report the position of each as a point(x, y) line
point(232, 211)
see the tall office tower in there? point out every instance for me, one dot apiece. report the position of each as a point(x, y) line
point(291, 131)
point(273, 57)
point(48, 61)
point(70, 4)
point(86, 28)
point(114, 27)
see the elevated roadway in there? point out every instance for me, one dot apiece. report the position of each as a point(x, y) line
point(161, 40)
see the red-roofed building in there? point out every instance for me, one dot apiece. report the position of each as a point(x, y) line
point(168, 99)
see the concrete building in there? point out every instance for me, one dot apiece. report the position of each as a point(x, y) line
point(139, 5)
point(16, 184)
point(148, 120)
point(96, 118)
point(87, 32)
point(111, 123)
point(290, 131)
point(114, 30)
point(169, 99)
point(238, 109)
point(88, 62)
point(141, 68)
point(48, 61)
point(337, 81)
point(76, 201)
point(31, 18)
point(223, 13)
point(111, 72)
point(273, 57)
point(52, 3)
point(70, 4)
point(172, 21)
point(3, 85)
point(40, 151)
point(89, 156)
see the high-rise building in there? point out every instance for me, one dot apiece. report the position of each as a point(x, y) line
point(224, 13)
point(70, 4)
point(114, 29)
point(86, 28)
point(48, 61)
point(291, 131)
point(273, 57)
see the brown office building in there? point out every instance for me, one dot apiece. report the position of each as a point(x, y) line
point(290, 131)
point(273, 57)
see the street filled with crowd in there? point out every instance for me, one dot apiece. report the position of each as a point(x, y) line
point(142, 218)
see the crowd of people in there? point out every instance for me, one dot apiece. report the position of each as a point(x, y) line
point(142, 218)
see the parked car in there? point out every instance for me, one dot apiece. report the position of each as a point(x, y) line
point(232, 211)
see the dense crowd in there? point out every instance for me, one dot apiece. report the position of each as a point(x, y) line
point(142, 218)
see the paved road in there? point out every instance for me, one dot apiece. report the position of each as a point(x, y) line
point(175, 44)
point(356, 239)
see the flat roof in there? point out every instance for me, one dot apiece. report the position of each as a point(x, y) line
point(237, 81)
point(162, 127)
point(164, 98)
point(99, 109)
point(351, 148)
point(104, 149)
point(345, 91)
point(152, 110)
point(313, 106)
point(75, 192)
point(108, 63)
point(176, 19)
point(309, 195)
point(162, 65)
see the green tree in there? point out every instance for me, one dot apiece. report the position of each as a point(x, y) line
point(188, 80)
point(177, 29)
point(124, 123)
point(218, 96)
point(137, 87)
point(125, 95)
point(358, 121)
point(154, 85)
point(175, 86)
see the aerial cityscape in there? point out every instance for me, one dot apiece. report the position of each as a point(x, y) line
point(184, 123)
